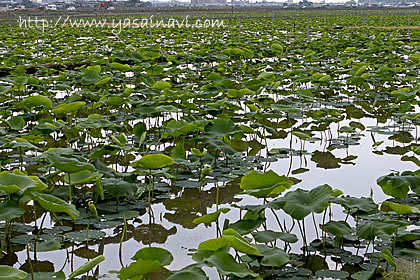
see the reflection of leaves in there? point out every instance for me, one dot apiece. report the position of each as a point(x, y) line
point(354, 112)
point(397, 150)
point(413, 159)
point(37, 266)
point(315, 263)
point(325, 160)
point(86, 253)
point(153, 233)
point(9, 259)
point(192, 202)
point(402, 137)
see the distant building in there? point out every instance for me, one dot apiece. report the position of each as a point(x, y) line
point(207, 2)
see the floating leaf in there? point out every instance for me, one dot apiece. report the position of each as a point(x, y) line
point(333, 274)
point(117, 187)
point(364, 274)
point(84, 235)
point(46, 246)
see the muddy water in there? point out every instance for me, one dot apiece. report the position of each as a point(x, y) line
point(172, 228)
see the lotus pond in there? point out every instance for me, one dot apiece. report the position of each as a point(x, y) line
point(272, 148)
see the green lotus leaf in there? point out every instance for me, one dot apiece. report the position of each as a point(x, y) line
point(11, 273)
point(38, 100)
point(68, 164)
point(118, 188)
point(10, 210)
point(4, 89)
point(227, 265)
point(164, 257)
point(211, 217)
point(398, 186)
point(90, 76)
point(138, 269)
point(102, 80)
point(300, 203)
point(161, 85)
point(120, 67)
point(270, 236)
point(388, 257)
point(263, 184)
point(273, 257)
point(81, 177)
point(16, 123)
point(191, 272)
point(222, 127)
point(285, 108)
point(68, 108)
point(401, 209)
point(371, 230)
point(54, 204)
point(87, 266)
point(337, 228)
point(239, 243)
point(14, 181)
point(214, 244)
point(154, 161)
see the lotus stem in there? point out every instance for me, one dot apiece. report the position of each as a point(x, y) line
point(30, 262)
point(316, 229)
point(70, 198)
